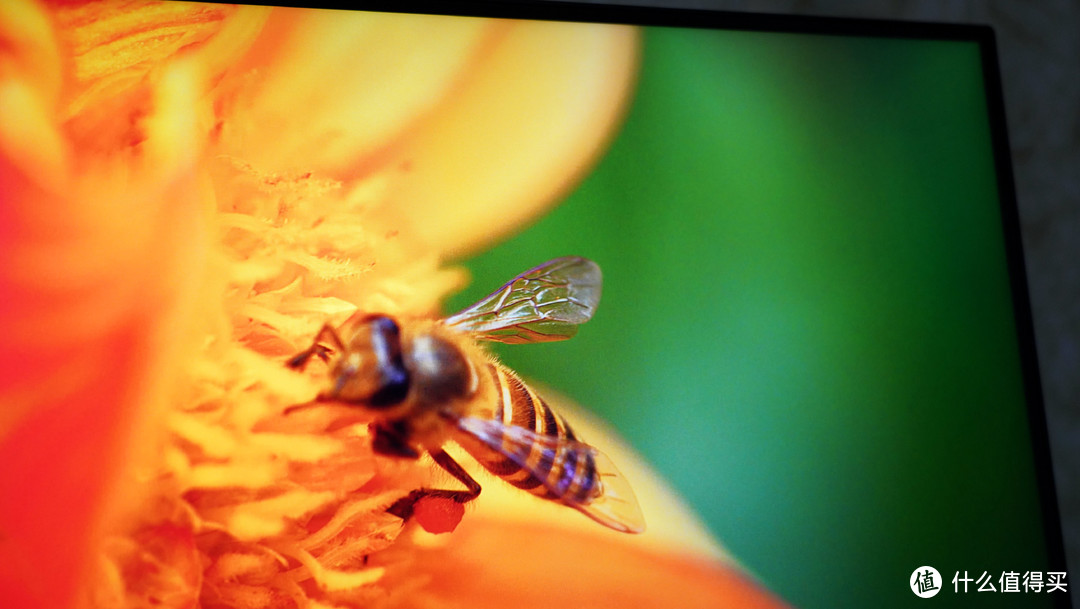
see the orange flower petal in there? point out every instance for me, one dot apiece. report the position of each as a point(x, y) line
point(88, 312)
point(93, 288)
point(492, 563)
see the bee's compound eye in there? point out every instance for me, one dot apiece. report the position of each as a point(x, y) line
point(440, 371)
point(393, 383)
point(371, 372)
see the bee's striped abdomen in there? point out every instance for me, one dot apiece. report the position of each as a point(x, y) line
point(547, 469)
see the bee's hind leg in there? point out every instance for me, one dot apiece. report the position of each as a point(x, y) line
point(403, 508)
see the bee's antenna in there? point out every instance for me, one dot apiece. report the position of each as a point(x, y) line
point(318, 401)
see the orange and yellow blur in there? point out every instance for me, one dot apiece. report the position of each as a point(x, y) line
point(189, 191)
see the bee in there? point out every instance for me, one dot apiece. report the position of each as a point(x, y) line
point(428, 382)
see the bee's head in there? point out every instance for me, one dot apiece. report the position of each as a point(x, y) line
point(370, 371)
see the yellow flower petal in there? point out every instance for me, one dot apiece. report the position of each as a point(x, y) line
point(343, 86)
point(30, 49)
point(534, 115)
point(482, 123)
point(30, 84)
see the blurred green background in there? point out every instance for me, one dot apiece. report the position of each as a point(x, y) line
point(806, 323)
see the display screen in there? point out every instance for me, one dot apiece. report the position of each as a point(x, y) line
point(254, 357)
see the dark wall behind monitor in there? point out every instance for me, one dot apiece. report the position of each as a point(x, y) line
point(1039, 51)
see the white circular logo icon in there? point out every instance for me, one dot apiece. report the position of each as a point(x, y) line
point(925, 582)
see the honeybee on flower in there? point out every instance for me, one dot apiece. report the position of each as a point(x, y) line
point(427, 384)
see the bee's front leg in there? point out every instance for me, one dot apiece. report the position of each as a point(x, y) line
point(326, 334)
point(389, 440)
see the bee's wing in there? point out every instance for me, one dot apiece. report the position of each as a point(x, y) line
point(615, 507)
point(543, 304)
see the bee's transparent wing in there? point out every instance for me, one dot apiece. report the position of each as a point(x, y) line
point(543, 304)
point(539, 454)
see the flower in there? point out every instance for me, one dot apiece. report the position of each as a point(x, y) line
point(186, 201)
